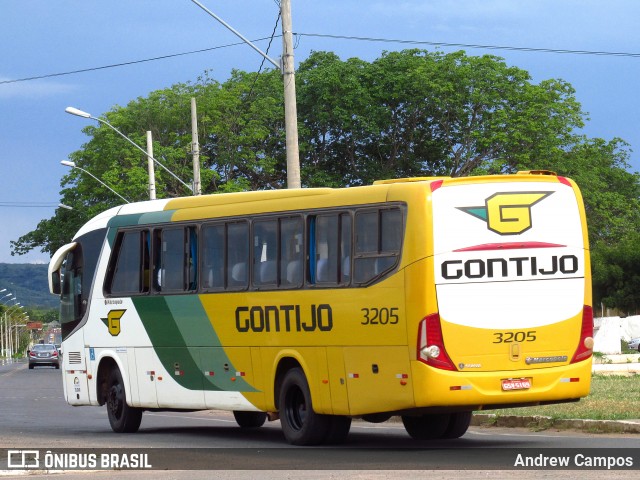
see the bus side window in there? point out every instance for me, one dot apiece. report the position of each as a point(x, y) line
point(127, 263)
point(172, 259)
point(237, 257)
point(291, 251)
point(378, 242)
point(345, 248)
point(265, 252)
point(326, 249)
point(213, 251)
point(391, 230)
point(332, 249)
point(367, 230)
point(175, 259)
point(192, 258)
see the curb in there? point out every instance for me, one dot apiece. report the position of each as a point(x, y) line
point(540, 423)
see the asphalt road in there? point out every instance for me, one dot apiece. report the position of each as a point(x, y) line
point(34, 415)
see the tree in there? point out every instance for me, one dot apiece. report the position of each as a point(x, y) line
point(616, 273)
point(611, 192)
point(415, 113)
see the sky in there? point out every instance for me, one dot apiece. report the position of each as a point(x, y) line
point(43, 38)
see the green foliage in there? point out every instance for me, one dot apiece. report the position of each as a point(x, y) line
point(408, 113)
point(616, 273)
point(416, 113)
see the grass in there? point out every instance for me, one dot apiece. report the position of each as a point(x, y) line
point(612, 397)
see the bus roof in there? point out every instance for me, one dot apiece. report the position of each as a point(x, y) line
point(264, 201)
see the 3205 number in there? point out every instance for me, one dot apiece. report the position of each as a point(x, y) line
point(380, 316)
point(511, 337)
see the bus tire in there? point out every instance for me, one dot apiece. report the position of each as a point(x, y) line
point(427, 427)
point(122, 417)
point(249, 419)
point(300, 424)
point(458, 425)
point(338, 430)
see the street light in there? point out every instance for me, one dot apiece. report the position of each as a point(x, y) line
point(80, 113)
point(18, 305)
point(5, 336)
point(10, 300)
point(67, 163)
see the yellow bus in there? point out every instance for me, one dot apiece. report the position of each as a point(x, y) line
point(424, 298)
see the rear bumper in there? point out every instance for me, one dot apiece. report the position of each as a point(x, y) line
point(55, 362)
point(478, 390)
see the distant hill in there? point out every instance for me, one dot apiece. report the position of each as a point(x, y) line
point(28, 282)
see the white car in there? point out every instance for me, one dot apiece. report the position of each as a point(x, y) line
point(634, 344)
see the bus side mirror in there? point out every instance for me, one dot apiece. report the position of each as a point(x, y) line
point(55, 283)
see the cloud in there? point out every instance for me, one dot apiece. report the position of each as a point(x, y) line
point(32, 88)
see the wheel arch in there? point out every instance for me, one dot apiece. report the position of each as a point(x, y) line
point(284, 364)
point(312, 362)
point(106, 364)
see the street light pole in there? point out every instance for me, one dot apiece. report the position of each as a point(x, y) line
point(6, 340)
point(68, 163)
point(80, 113)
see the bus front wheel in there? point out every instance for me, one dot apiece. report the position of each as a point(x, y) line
point(300, 424)
point(122, 417)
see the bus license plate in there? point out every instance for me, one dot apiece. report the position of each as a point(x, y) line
point(516, 384)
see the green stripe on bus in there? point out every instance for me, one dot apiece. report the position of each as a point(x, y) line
point(172, 323)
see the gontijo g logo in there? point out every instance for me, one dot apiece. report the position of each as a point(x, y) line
point(113, 321)
point(507, 213)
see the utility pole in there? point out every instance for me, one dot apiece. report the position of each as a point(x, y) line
point(287, 68)
point(195, 149)
point(150, 167)
point(290, 109)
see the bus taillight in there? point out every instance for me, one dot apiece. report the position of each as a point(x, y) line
point(585, 346)
point(431, 344)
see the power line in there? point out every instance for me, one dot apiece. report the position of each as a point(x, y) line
point(472, 45)
point(123, 64)
point(273, 35)
point(337, 37)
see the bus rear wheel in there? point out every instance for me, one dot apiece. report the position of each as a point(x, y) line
point(442, 425)
point(249, 419)
point(458, 425)
point(122, 417)
point(300, 424)
point(427, 427)
point(338, 430)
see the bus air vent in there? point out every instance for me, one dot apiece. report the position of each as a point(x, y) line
point(75, 358)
